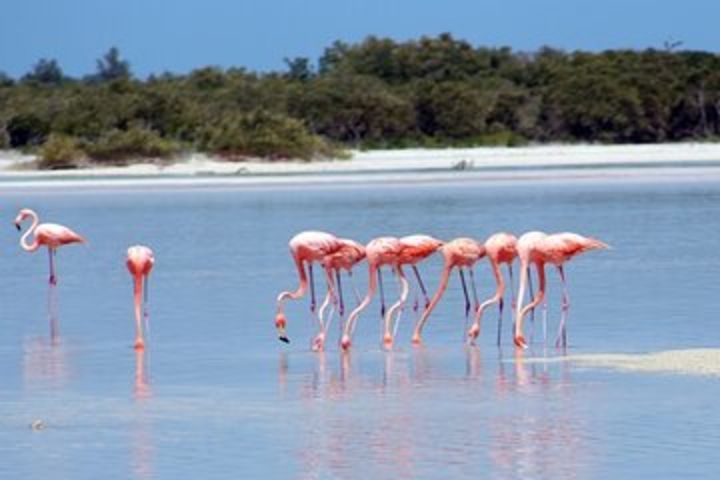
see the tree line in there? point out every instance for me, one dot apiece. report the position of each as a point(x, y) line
point(378, 93)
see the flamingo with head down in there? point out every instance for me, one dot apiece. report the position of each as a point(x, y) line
point(140, 261)
point(538, 248)
point(501, 248)
point(306, 248)
point(460, 253)
point(345, 258)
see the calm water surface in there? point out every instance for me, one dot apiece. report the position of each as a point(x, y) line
point(217, 396)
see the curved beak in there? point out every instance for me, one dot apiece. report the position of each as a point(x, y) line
point(17, 225)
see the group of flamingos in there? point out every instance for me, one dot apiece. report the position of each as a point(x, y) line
point(140, 260)
point(334, 254)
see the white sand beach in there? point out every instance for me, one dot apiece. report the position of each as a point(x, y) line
point(696, 361)
point(553, 162)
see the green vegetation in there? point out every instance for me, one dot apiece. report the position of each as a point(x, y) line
point(431, 92)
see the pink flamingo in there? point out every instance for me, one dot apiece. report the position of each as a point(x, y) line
point(461, 252)
point(305, 248)
point(414, 249)
point(501, 248)
point(379, 251)
point(556, 249)
point(345, 258)
point(395, 252)
point(140, 261)
point(50, 235)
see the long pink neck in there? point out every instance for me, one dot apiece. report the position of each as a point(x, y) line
point(372, 286)
point(499, 292)
point(539, 296)
point(444, 279)
point(137, 291)
point(30, 247)
point(302, 288)
point(404, 290)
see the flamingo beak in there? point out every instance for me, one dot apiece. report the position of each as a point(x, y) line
point(282, 336)
point(17, 225)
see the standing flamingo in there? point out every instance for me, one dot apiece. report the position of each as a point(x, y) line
point(140, 261)
point(379, 251)
point(305, 248)
point(50, 235)
point(345, 258)
point(461, 252)
point(539, 249)
point(414, 248)
point(501, 248)
point(559, 248)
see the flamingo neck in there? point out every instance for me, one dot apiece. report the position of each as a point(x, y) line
point(499, 292)
point(302, 288)
point(444, 279)
point(404, 290)
point(372, 286)
point(539, 296)
point(137, 296)
point(30, 247)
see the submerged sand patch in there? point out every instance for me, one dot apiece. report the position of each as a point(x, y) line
point(697, 361)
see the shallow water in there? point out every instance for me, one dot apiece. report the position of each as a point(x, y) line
point(217, 396)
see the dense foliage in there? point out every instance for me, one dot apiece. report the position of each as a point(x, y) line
point(378, 93)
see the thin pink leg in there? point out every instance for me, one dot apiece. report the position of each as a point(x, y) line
point(562, 333)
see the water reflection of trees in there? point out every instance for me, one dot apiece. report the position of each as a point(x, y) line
point(405, 414)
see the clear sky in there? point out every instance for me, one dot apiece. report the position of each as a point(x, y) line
point(179, 35)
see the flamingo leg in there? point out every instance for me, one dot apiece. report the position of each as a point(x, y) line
point(465, 292)
point(562, 333)
point(476, 303)
point(312, 288)
point(146, 315)
point(532, 311)
point(501, 303)
point(512, 294)
point(341, 306)
point(53, 278)
point(352, 283)
point(422, 285)
point(382, 293)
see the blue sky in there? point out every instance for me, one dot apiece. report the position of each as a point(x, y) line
point(179, 35)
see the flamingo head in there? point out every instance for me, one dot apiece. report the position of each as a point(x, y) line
point(280, 323)
point(520, 342)
point(473, 333)
point(345, 342)
point(22, 215)
point(318, 343)
point(387, 341)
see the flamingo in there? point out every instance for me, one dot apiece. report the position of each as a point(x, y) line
point(501, 248)
point(346, 257)
point(539, 249)
point(414, 249)
point(50, 235)
point(379, 251)
point(305, 248)
point(140, 261)
point(461, 252)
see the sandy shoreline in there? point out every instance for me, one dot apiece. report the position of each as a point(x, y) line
point(696, 361)
point(555, 162)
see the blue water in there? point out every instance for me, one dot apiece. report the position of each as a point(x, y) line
point(217, 396)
